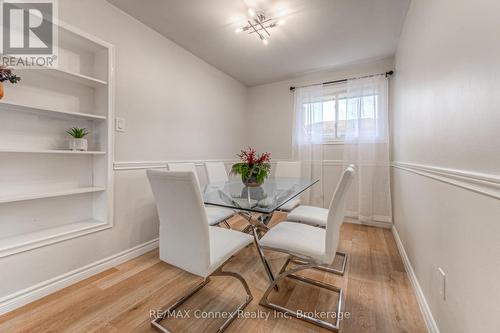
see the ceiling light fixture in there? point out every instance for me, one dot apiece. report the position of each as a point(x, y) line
point(259, 24)
point(251, 12)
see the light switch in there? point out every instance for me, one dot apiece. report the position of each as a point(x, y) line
point(120, 124)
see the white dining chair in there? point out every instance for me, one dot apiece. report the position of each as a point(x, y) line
point(318, 217)
point(216, 215)
point(312, 247)
point(288, 169)
point(186, 239)
point(216, 172)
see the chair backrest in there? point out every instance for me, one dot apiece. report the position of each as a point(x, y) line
point(184, 167)
point(216, 172)
point(288, 169)
point(336, 212)
point(184, 233)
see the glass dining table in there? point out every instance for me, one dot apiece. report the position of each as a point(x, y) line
point(256, 204)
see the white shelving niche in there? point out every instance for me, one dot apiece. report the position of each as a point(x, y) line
point(49, 194)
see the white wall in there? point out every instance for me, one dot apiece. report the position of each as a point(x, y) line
point(176, 106)
point(445, 114)
point(270, 118)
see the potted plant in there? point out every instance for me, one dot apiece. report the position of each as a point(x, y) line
point(7, 75)
point(78, 142)
point(253, 168)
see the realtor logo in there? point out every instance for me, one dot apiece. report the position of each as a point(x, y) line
point(28, 33)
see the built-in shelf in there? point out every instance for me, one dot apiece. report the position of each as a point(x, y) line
point(68, 75)
point(27, 241)
point(48, 112)
point(34, 117)
point(49, 194)
point(49, 151)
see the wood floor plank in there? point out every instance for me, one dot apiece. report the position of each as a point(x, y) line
point(378, 295)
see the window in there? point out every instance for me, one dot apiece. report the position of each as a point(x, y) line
point(327, 119)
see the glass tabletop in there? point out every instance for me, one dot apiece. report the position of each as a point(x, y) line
point(268, 197)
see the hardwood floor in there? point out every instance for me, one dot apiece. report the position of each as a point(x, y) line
point(378, 294)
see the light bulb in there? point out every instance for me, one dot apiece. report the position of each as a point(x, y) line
point(237, 31)
point(265, 41)
point(251, 12)
point(281, 22)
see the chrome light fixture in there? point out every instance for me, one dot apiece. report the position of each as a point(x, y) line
point(259, 24)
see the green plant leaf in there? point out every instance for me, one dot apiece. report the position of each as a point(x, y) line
point(77, 133)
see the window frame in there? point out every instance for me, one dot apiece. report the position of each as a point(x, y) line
point(335, 138)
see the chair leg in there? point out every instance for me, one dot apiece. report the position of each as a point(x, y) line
point(243, 305)
point(155, 323)
point(328, 269)
point(166, 311)
point(291, 273)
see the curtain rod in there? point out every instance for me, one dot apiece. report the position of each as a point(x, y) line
point(387, 74)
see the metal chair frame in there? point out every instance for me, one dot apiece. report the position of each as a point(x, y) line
point(307, 263)
point(219, 272)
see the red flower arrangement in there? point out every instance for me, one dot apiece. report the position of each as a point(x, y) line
point(253, 168)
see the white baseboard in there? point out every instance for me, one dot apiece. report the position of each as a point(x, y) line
point(28, 295)
point(378, 224)
point(422, 302)
point(375, 221)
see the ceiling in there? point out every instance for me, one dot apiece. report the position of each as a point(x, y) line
point(318, 34)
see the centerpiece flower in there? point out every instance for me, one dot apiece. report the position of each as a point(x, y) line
point(253, 168)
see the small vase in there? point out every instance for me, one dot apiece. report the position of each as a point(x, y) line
point(251, 181)
point(78, 144)
point(2, 90)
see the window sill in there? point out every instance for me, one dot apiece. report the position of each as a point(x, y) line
point(329, 143)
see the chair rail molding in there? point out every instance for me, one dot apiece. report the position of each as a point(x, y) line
point(133, 165)
point(482, 183)
point(137, 165)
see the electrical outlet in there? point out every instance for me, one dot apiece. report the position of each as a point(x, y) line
point(120, 124)
point(442, 285)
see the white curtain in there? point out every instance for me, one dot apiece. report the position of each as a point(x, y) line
point(354, 116)
point(367, 146)
point(308, 139)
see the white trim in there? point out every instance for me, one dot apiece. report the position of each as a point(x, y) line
point(28, 295)
point(45, 237)
point(49, 194)
point(49, 112)
point(377, 221)
point(135, 165)
point(430, 323)
point(380, 221)
point(83, 33)
point(482, 183)
point(344, 163)
point(334, 162)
